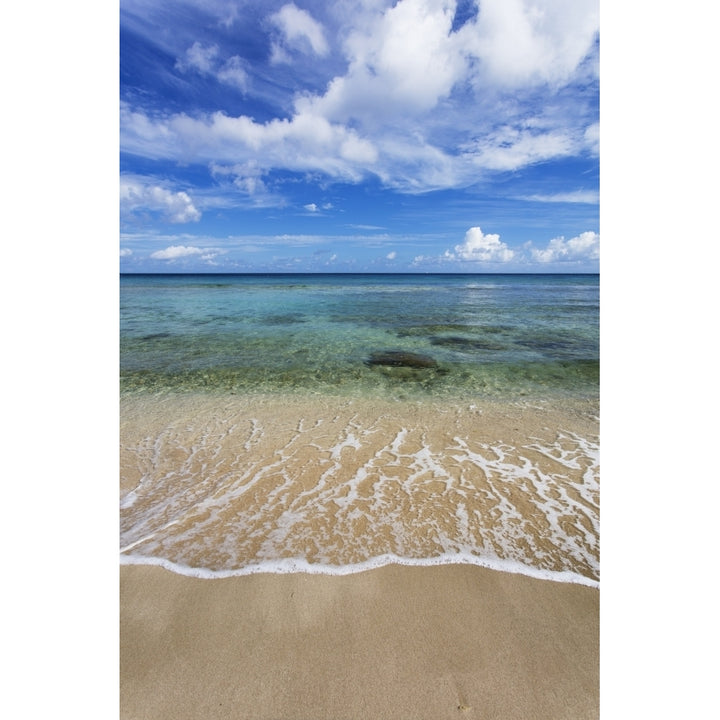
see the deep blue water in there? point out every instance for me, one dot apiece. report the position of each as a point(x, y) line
point(468, 336)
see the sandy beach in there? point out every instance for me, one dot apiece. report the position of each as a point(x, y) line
point(452, 641)
point(221, 484)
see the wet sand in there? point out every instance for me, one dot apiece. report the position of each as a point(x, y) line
point(453, 641)
point(227, 482)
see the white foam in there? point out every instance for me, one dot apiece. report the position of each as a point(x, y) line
point(487, 511)
point(350, 441)
point(129, 500)
point(286, 566)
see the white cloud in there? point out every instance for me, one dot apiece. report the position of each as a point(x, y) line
point(250, 184)
point(592, 137)
point(198, 58)
point(521, 42)
point(510, 148)
point(176, 251)
point(247, 178)
point(315, 208)
point(278, 55)
point(300, 30)
point(406, 59)
point(401, 62)
point(479, 247)
point(233, 73)
point(305, 142)
point(401, 107)
point(590, 197)
point(585, 246)
point(125, 252)
point(391, 255)
point(206, 61)
point(138, 194)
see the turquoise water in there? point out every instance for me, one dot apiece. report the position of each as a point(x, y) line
point(483, 336)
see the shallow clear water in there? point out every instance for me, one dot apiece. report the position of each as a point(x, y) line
point(334, 423)
point(479, 335)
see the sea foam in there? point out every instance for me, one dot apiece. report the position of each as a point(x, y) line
point(300, 565)
point(283, 487)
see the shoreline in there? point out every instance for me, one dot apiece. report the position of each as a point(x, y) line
point(300, 565)
point(232, 484)
point(392, 642)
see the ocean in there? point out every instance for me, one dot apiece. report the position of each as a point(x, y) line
point(333, 423)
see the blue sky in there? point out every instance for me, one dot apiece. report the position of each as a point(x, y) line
point(363, 135)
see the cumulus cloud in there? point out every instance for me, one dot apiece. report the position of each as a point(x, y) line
point(300, 31)
point(521, 42)
point(585, 246)
point(583, 250)
point(479, 247)
point(398, 110)
point(176, 251)
point(391, 255)
point(407, 58)
point(311, 207)
point(404, 61)
point(137, 194)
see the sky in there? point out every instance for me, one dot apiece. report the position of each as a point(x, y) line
point(359, 136)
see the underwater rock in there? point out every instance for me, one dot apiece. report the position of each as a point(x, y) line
point(156, 336)
point(401, 358)
point(468, 344)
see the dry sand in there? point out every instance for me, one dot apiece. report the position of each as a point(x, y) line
point(453, 641)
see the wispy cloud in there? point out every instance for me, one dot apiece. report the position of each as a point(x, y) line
point(205, 59)
point(356, 226)
point(143, 194)
point(198, 57)
point(300, 31)
point(403, 62)
point(176, 251)
point(590, 197)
